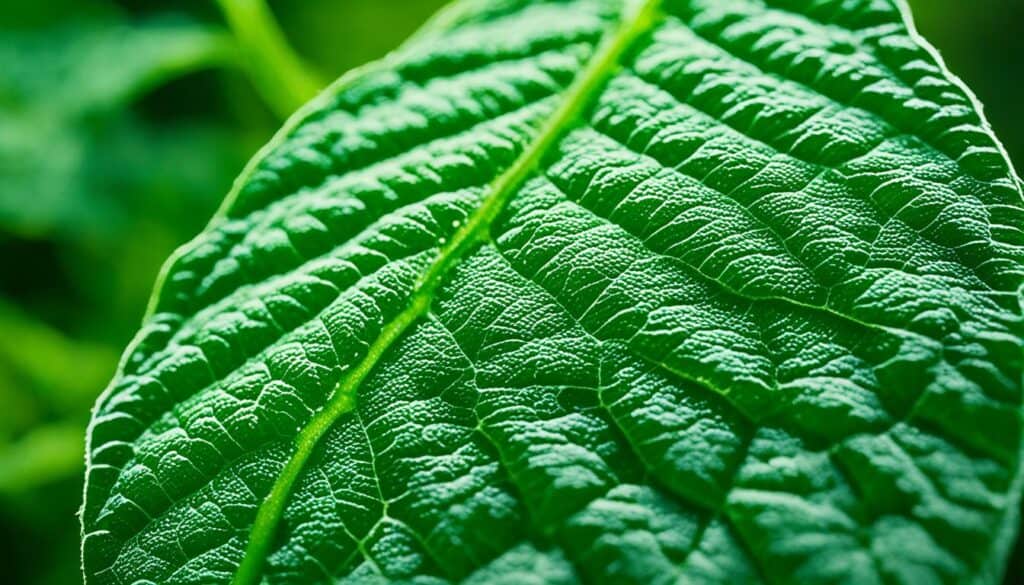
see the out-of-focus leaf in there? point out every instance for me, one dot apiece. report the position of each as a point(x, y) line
point(158, 184)
point(60, 98)
point(80, 67)
point(46, 380)
point(60, 373)
point(44, 455)
point(94, 178)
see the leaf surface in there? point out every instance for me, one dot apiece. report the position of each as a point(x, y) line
point(705, 291)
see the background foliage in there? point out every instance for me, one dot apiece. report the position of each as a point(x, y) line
point(122, 125)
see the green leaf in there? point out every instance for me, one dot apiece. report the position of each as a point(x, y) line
point(62, 118)
point(86, 66)
point(29, 349)
point(705, 291)
point(34, 450)
point(47, 453)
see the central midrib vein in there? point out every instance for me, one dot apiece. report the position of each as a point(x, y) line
point(635, 22)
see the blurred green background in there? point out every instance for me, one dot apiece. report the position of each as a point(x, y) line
point(122, 125)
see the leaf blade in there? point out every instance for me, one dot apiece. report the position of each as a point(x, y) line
point(719, 259)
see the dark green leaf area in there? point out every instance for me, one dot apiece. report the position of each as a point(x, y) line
point(706, 291)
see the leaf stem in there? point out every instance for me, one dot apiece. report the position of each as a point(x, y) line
point(279, 74)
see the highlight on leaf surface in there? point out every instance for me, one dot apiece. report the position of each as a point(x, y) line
point(695, 291)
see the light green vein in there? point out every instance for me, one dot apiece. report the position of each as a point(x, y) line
point(636, 21)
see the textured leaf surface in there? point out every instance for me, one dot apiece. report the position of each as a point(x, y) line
point(701, 291)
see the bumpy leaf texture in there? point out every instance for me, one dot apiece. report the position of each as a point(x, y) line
point(692, 291)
